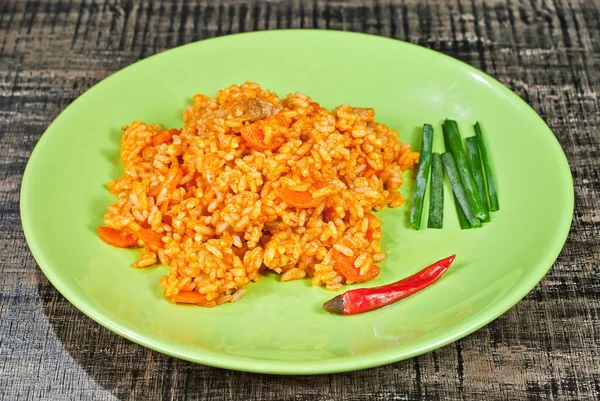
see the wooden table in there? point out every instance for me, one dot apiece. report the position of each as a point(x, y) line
point(548, 52)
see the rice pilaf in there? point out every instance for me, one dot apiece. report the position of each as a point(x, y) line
point(252, 183)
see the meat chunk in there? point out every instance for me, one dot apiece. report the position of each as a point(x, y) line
point(246, 109)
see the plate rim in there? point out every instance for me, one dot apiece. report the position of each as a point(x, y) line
point(289, 367)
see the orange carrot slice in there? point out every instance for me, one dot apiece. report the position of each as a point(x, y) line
point(316, 107)
point(255, 138)
point(152, 239)
point(254, 135)
point(173, 177)
point(190, 297)
point(374, 226)
point(164, 137)
point(167, 219)
point(301, 199)
point(344, 265)
point(370, 172)
point(116, 237)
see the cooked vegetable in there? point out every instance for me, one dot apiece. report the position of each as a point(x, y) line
point(255, 138)
point(127, 238)
point(416, 210)
point(492, 192)
point(454, 140)
point(477, 170)
point(168, 185)
point(190, 297)
point(436, 201)
point(367, 299)
point(151, 239)
point(301, 199)
point(116, 237)
point(255, 133)
point(457, 188)
point(462, 219)
point(344, 265)
point(164, 137)
point(374, 229)
point(446, 144)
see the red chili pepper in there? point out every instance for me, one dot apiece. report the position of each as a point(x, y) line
point(367, 299)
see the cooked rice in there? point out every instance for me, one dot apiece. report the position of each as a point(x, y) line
point(214, 202)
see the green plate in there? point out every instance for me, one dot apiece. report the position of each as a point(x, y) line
point(280, 327)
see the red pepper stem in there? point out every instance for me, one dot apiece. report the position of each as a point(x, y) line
point(367, 299)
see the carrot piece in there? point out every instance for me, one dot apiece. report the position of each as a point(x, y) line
point(369, 171)
point(173, 177)
point(167, 219)
point(171, 187)
point(152, 239)
point(344, 265)
point(173, 184)
point(254, 135)
point(301, 199)
point(190, 297)
point(189, 185)
point(255, 138)
point(374, 226)
point(164, 137)
point(320, 184)
point(116, 237)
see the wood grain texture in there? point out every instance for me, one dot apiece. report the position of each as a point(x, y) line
point(548, 52)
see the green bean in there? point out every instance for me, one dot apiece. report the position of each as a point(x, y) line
point(462, 219)
point(436, 201)
point(416, 210)
point(478, 175)
point(452, 135)
point(457, 188)
point(492, 191)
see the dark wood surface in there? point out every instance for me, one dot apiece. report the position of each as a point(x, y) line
point(548, 52)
